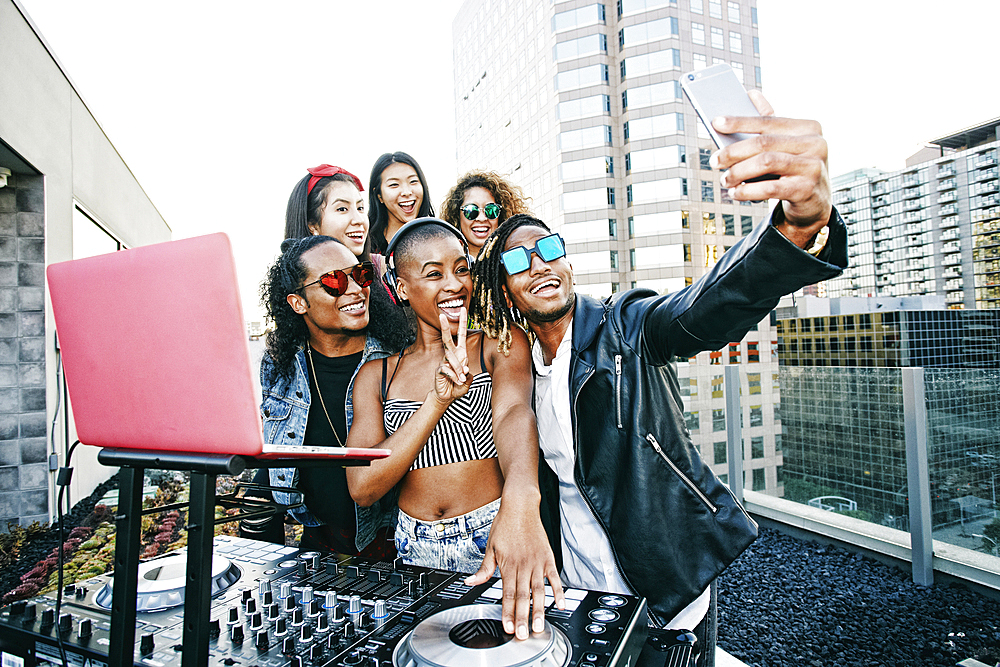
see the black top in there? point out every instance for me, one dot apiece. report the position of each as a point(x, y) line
point(325, 489)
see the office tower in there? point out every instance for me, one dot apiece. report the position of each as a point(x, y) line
point(580, 103)
point(843, 415)
point(931, 228)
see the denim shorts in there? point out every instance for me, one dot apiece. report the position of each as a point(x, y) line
point(457, 544)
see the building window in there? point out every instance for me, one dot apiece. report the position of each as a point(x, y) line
point(756, 75)
point(708, 223)
point(643, 33)
point(718, 386)
point(698, 33)
point(734, 353)
point(718, 420)
point(753, 355)
point(707, 191)
point(758, 479)
point(715, 9)
point(631, 258)
point(578, 170)
point(578, 48)
point(588, 137)
point(720, 452)
point(756, 415)
point(687, 252)
point(593, 75)
point(757, 447)
point(650, 159)
point(734, 12)
point(586, 199)
point(717, 40)
point(627, 7)
point(704, 155)
point(753, 381)
point(647, 96)
point(654, 126)
point(651, 63)
point(685, 220)
point(735, 42)
point(746, 224)
point(585, 107)
point(577, 18)
point(697, 6)
point(612, 228)
point(756, 46)
point(691, 419)
point(614, 260)
point(730, 223)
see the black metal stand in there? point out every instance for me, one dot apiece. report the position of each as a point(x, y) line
point(204, 469)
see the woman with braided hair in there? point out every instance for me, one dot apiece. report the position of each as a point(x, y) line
point(330, 316)
point(479, 202)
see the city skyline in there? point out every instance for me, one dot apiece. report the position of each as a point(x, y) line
point(209, 98)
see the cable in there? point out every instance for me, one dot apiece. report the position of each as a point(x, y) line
point(62, 480)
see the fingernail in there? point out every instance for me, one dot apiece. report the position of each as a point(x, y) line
point(539, 625)
point(508, 627)
point(724, 181)
point(732, 193)
point(713, 161)
point(719, 122)
point(522, 632)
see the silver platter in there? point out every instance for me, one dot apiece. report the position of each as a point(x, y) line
point(473, 635)
point(161, 582)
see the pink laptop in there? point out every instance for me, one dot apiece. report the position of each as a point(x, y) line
point(156, 352)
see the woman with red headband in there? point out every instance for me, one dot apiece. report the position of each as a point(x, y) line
point(328, 201)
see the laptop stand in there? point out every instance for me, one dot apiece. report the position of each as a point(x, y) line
point(204, 469)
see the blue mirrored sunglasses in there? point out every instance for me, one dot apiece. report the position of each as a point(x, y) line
point(547, 248)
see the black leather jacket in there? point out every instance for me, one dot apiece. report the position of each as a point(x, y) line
point(672, 525)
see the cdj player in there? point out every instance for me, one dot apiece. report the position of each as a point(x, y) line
point(276, 606)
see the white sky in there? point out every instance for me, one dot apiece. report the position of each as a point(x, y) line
point(219, 107)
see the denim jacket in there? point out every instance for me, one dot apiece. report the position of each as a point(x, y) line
point(285, 411)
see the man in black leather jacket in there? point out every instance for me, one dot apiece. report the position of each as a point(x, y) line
point(634, 509)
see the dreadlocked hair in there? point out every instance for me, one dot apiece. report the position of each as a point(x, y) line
point(489, 306)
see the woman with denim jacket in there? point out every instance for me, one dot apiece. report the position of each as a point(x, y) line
point(328, 322)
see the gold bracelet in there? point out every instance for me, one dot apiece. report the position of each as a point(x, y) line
point(819, 241)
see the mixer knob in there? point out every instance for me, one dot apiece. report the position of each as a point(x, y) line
point(330, 599)
point(280, 627)
point(306, 633)
point(314, 608)
point(307, 594)
point(256, 621)
point(290, 604)
point(353, 572)
point(297, 616)
point(302, 568)
point(285, 590)
point(315, 562)
point(331, 568)
point(251, 606)
point(146, 644)
point(65, 623)
point(354, 604)
point(375, 576)
point(396, 578)
point(288, 646)
point(214, 629)
point(380, 614)
point(17, 608)
point(397, 563)
point(237, 634)
point(86, 628)
point(264, 586)
point(355, 658)
point(262, 641)
point(234, 615)
point(348, 630)
point(411, 589)
point(337, 614)
point(273, 612)
point(422, 580)
point(266, 598)
point(81, 592)
point(29, 611)
point(48, 617)
point(296, 661)
point(315, 652)
point(245, 595)
point(322, 624)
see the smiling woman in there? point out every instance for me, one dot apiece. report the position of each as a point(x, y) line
point(456, 413)
point(328, 201)
point(478, 203)
point(397, 194)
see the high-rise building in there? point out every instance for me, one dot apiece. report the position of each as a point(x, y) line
point(843, 415)
point(580, 104)
point(931, 228)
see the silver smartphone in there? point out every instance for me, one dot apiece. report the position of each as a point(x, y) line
point(716, 91)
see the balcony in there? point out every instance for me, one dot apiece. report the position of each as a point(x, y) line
point(947, 197)
point(879, 188)
point(946, 185)
point(946, 170)
point(911, 181)
point(985, 161)
point(949, 234)
point(949, 221)
point(953, 272)
point(951, 246)
point(984, 174)
point(950, 260)
point(912, 205)
point(954, 297)
point(914, 216)
point(948, 209)
point(913, 192)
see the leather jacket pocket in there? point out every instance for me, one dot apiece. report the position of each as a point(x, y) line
point(687, 481)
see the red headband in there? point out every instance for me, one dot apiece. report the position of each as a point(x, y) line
point(325, 170)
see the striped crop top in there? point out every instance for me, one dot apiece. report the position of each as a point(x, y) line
point(464, 432)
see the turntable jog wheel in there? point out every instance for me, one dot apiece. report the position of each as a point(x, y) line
point(473, 635)
point(161, 582)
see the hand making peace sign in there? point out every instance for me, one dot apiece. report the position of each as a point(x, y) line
point(452, 380)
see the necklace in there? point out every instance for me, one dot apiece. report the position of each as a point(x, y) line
point(322, 403)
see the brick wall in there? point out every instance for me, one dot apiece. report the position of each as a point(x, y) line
point(23, 470)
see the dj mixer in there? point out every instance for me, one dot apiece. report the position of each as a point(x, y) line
point(277, 606)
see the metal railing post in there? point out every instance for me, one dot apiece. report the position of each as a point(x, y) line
point(734, 435)
point(917, 477)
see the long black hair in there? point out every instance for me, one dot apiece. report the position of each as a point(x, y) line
point(378, 214)
point(305, 208)
point(489, 307)
point(387, 322)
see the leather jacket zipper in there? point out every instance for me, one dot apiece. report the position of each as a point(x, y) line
point(684, 478)
point(618, 389)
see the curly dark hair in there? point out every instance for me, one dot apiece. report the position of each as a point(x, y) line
point(511, 198)
point(489, 307)
point(387, 322)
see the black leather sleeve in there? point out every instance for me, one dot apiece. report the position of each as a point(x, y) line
point(742, 288)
